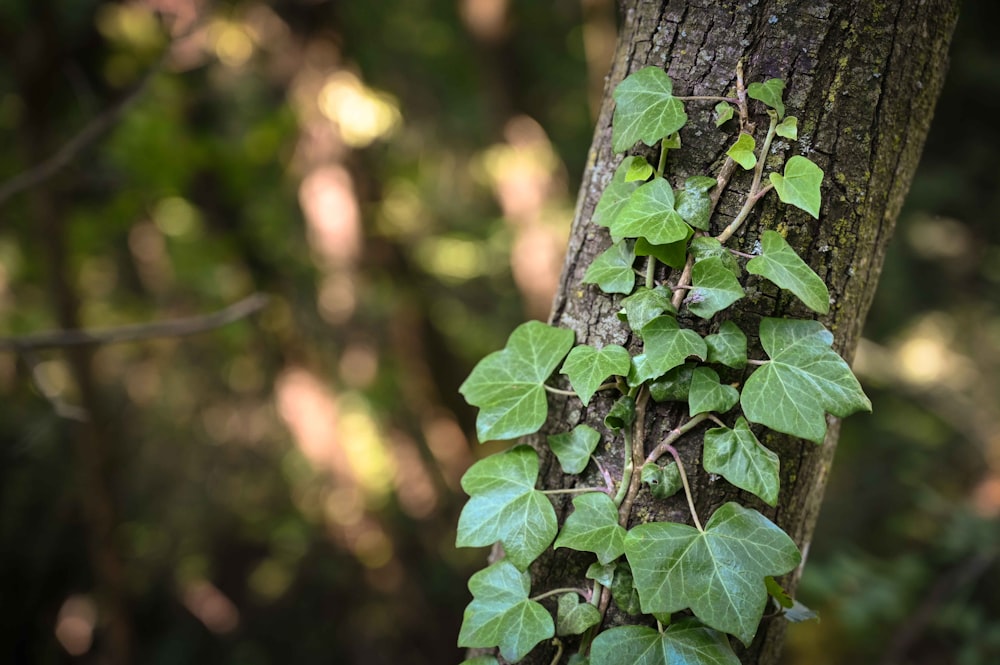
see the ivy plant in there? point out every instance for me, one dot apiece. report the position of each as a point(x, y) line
point(667, 264)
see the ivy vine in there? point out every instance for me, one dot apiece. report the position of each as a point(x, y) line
point(719, 573)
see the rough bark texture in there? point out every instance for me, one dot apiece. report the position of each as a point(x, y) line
point(863, 78)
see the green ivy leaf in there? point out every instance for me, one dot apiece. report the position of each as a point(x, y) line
point(480, 660)
point(645, 109)
point(573, 449)
point(501, 615)
point(723, 113)
point(663, 481)
point(718, 573)
point(587, 367)
point(673, 254)
point(715, 288)
point(804, 379)
point(686, 642)
point(612, 269)
point(639, 169)
point(707, 247)
point(616, 195)
point(737, 455)
point(770, 93)
point(650, 214)
point(779, 263)
point(623, 590)
point(674, 386)
point(666, 345)
point(799, 186)
point(574, 617)
point(728, 346)
point(645, 305)
point(621, 414)
point(671, 142)
point(777, 592)
point(504, 506)
point(708, 394)
point(506, 385)
point(593, 527)
point(602, 572)
point(742, 151)
point(693, 203)
point(788, 128)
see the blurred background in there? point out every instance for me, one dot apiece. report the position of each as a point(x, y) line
point(399, 176)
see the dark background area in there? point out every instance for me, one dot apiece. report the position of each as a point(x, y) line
point(399, 177)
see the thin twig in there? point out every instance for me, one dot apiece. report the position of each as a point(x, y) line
point(636, 453)
point(172, 328)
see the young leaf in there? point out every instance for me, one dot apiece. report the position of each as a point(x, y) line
point(674, 386)
point(573, 449)
point(650, 214)
point(501, 615)
point(707, 247)
point(638, 169)
point(616, 195)
point(804, 379)
point(621, 414)
point(737, 455)
point(645, 305)
point(788, 128)
point(504, 506)
point(723, 113)
point(612, 269)
point(715, 288)
point(671, 142)
point(728, 346)
point(602, 572)
point(673, 254)
point(593, 527)
point(742, 151)
point(506, 385)
point(718, 573)
point(666, 345)
point(663, 481)
point(574, 617)
point(693, 203)
point(645, 109)
point(707, 394)
point(779, 263)
point(769, 92)
point(587, 367)
point(623, 589)
point(799, 186)
point(685, 642)
point(779, 594)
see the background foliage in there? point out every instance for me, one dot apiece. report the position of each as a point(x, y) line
point(399, 176)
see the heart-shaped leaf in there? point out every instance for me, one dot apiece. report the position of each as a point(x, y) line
point(715, 288)
point(602, 572)
point(666, 345)
point(673, 254)
point(593, 527)
point(742, 151)
point(737, 455)
point(505, 507)
point(694, 203)
point(707, 394)
point(645, 305)
point(612, 269)
point(506, 385)
point(804, 380)
point(501, 615)
point(770, 93)
point(587, 367)
point(707, 247)
point(616, 194)
point(723, 113)
point(779, 263)
point(574, 617)
point(674, 386)
point(788, 128)
point(728, 346)
point(650, 214)
point(645, 109)
point(718, 573)
point(663, 481)
point(639, 169)
point(686, 642)
point(573, 449)
point(799, 186)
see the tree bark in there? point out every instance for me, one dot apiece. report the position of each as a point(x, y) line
point(862, 78)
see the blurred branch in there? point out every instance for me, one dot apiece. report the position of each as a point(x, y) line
point(170, 328)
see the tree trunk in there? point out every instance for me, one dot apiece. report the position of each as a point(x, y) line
point(862, 78)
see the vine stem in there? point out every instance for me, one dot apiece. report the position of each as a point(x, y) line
point(583, 593)
point(559, 391)
point(751, 361)
point(576, 490)
point(683, 283)
point(650, 271)
point(627, 468)
point(635, 452)
point(666, 446)
point(559, 651)
point(687, 488)
point(756, 191)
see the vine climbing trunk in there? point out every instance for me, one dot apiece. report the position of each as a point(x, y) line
point(862, 78)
